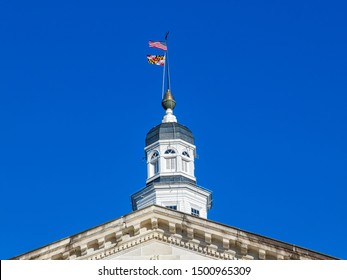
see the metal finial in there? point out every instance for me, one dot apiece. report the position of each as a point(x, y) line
point(168, 101)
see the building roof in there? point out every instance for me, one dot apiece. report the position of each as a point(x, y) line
point(156, 232)
point(168, 131)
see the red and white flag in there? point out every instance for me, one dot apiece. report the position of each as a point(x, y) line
point(158, 44)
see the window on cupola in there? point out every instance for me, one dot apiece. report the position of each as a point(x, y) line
point(170, 152)
point(185, 153)
point(184, 166)
point(170, 159)
point(185, 161)
point(155, 162)
point(156, 167)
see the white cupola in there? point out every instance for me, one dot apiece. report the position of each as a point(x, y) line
point(170, 154)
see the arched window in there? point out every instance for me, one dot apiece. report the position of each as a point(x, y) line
point(155, 155)
point(185, 161)
point(170, 152)
point(155, 162)
point(170, 159)
point(185, 153)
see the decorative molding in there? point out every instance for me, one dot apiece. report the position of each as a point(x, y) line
point(196, 235)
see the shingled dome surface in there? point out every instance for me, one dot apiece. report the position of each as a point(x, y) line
point(166, 131)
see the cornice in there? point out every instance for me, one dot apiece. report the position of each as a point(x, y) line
point(158, 224)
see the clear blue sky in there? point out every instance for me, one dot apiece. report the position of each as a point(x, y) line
point(262, 85)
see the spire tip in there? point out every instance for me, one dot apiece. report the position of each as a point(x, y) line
point(168, 101)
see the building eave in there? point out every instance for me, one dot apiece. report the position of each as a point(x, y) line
point(210, 238)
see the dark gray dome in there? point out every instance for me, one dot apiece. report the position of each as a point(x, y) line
point(170, 130)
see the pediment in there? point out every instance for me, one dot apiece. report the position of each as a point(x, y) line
point(156, 232)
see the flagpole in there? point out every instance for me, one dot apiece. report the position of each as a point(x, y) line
point(168, 70)
point(167, 60)
point(162, 90)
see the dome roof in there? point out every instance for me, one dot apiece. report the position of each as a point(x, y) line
point(170, 130)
